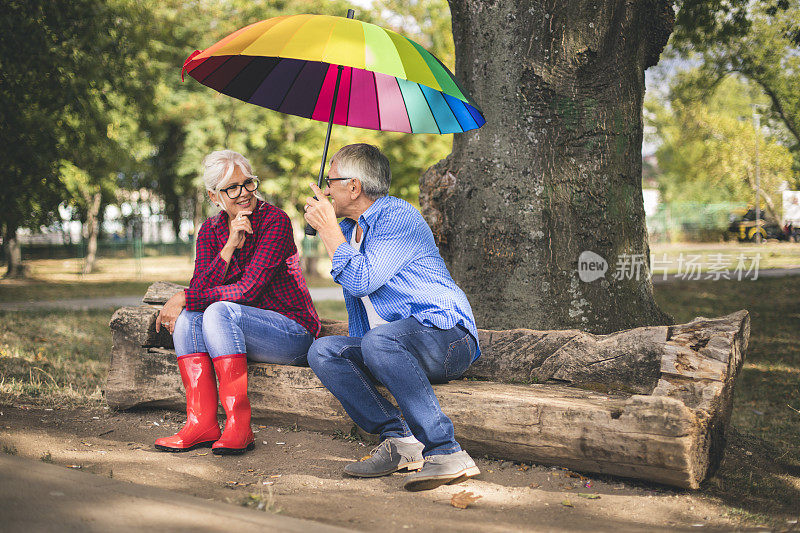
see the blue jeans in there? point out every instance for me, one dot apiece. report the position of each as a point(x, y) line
point(406, 357)
point(227, 328)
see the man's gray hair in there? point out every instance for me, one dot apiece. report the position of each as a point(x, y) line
point(218, 168)
point(367, 164)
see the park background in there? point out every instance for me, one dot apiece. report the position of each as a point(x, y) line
point(102, 144)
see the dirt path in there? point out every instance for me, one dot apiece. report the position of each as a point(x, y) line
point(299, 473)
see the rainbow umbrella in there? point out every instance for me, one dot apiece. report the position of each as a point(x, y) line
point(340, 71)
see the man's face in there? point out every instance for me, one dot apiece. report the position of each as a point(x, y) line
point(339, 191)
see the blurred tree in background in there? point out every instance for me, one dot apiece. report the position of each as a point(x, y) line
point(758, 40)
point(707, 143)
point(95, 109)
point(67, 80)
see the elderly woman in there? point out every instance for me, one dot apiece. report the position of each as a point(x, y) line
point(247, 300)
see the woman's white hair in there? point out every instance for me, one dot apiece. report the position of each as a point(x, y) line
point(218, 168)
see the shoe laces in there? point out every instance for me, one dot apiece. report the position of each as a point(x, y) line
point(384, 444)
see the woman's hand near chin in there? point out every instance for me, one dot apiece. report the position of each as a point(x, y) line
point(240, 227)
point(170, 312)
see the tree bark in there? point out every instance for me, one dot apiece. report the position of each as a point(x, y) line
point(91, 231)
point(15, 268)
point(556, 170)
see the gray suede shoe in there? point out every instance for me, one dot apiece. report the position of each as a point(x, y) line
point(442, 470)
point(389, 456)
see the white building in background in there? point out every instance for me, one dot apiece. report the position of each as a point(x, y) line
point(791, 208)
point(155, 226)
point(651, 200)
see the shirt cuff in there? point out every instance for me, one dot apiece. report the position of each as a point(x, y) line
point(340, 258)
point(194, 299)
point(214, 275)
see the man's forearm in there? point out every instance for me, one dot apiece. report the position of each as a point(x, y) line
point(331, 237)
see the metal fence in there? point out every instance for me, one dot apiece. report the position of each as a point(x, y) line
point(117, 249)
point(693, 221)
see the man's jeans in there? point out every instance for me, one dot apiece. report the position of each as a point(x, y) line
point(227, 328)
point(406, 357)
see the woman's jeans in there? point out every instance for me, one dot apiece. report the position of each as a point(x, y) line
point(406, 357)
point(227, 328)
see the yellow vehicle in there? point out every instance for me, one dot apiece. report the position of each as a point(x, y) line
point(743, 226)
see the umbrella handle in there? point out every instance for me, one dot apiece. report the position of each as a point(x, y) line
point(310, 231)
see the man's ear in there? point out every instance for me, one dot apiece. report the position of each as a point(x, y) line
point(355, 188)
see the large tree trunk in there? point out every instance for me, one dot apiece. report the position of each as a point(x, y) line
point(13, 252)
point(556, 170)
point(91, 229)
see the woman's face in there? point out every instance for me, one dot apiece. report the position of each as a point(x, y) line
point(246, 201)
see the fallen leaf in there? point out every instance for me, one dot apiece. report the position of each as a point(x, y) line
point(204, 453)
point(523, 468)
point(251, 470)
point(589, 496)
point(463, 499)
point(575, 475)
point(567, 503)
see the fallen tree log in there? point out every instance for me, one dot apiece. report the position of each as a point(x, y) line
point(650, 403)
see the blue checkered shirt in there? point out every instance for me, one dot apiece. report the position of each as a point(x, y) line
point(398, 265)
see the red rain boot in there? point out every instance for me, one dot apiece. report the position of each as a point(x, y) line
point(201, 427)
point(237, 436)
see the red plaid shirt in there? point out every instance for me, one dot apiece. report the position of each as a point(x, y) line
point(264, 273)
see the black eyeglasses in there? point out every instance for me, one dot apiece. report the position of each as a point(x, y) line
point(235, 191)
point(329, 180)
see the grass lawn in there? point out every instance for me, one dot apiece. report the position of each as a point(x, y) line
point(60, 279)
point(54, 358)
point(670, 257)
point(761, 469)
point(57, 358)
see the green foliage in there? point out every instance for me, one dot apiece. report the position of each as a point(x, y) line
point(758, 39)
point(71, 101)
point(96, 104)
point(708, 143)
point(192, 120)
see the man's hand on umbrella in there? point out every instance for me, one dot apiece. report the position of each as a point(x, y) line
point(319, 211)
point(322, 217)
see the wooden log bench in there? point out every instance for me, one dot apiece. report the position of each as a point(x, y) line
point(651, 403)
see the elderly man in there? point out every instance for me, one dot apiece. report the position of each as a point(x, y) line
point(410, 324)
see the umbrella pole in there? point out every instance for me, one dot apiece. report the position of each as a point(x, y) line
point(310, 230)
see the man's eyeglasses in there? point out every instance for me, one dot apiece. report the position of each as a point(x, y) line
point(329, 180)
point(235, 191)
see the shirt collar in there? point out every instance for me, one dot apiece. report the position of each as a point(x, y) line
point(373, 211)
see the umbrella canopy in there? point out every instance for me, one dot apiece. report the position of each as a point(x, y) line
point(289, 64)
